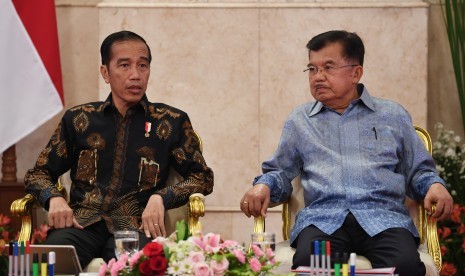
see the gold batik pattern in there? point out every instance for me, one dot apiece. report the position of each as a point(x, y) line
point(56, 136)
point(179, 155)
point(61, 150)
point(148, 168)
point(86, 213)
point(85, 107)
point(198, 157)
point(118, 171)
point(42, 160)
point(125, 213)
point(81, 122)
point(192, 142)
point(158, 113)
point(195, 183)
point(95, 141)
point(87, 166)
point(164, 130)
point(147, 152)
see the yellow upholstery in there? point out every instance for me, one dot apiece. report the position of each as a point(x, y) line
point(429, 249)
point(191, 212)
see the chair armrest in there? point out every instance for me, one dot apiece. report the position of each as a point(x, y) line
point(429, 231)
point(23, 208)
point(195, 209)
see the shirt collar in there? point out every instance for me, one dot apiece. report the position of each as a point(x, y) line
point(144, 103)
point(364, 97)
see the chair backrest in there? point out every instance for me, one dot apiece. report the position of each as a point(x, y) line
point(296, 201)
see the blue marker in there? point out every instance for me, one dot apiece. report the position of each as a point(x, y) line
point(51, 263)
point(352, 263)
point(15, 253)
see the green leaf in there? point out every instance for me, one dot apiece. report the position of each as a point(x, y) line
point(182, 230)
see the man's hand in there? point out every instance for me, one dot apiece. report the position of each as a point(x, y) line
point(444, 203)
point(255, 201)
point(153, 218)
point(60, 215)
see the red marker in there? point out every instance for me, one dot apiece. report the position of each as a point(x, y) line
point(328, 256)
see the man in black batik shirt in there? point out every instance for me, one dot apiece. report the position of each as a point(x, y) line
point(119, 152)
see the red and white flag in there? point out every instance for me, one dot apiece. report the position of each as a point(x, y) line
point(31, 90)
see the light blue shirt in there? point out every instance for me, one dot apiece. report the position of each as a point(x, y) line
point(364, 161)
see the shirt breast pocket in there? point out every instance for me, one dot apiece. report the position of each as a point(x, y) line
point(87, 166)
point(378, 144)
point(148, 173)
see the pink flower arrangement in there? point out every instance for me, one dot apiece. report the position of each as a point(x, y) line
point(204, 255)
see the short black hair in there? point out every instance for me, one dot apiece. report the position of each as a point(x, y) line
point(352, 44)
point(105, 48)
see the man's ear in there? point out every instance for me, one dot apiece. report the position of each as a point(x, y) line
point(358, 73)
point(104, 72)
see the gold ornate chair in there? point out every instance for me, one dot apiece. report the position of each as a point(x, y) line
point(429, 249)
point(191, 212)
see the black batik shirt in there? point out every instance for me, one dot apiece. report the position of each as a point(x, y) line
point(117, 164)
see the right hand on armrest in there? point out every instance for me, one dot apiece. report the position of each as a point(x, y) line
point(255, 201)
point(60, 215)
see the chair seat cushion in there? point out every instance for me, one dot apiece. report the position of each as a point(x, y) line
point(284, 253)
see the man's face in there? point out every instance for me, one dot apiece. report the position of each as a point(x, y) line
point(338, 87)
point(127, 73)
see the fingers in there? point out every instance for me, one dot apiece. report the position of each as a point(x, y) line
point(255, 201)
point(77, 225)
point(244, 205)
point(438, 195)
point(153, 218)
point(153, 227)
point(60, 214)
point(264, 207)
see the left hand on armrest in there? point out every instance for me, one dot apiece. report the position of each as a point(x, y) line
point(153, 217)
point(439, 195)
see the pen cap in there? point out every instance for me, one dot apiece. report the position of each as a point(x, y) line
point(43, 259)
point(317, 248)
point(345, 258)
point(21, 248)
point(28, 247)
point(15, 249)
point(51, 257)
point(35, 258)
point(337, 257)
point(353, 256)
point(323, 247)
point(11, 248)
point(328, 248)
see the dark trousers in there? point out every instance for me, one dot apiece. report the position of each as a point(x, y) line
point(395, 247)
point(94, 241)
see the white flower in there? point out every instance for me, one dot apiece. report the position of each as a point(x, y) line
point(450, 153)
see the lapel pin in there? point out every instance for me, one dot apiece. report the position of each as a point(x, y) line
point(148, 127)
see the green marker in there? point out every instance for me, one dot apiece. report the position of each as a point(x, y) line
point(337, 264)
point(35, 264)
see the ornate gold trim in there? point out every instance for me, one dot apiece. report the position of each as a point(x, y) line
point(196, 209)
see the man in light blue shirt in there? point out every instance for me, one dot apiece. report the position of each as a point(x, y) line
point(358, 157)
